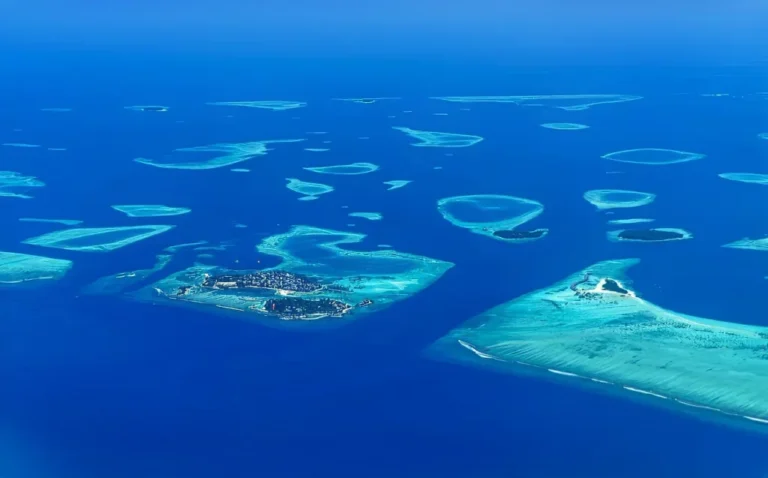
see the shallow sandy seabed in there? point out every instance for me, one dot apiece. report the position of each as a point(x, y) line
point(751, 244)
point(397, 184)
point(578, 329)
point(618, 198)
point(350, 169)
point(438, 139)
point(150, 210)
point(96, 239)
point(383, 276)
point(754, 178)
point(11, 181)
point(16, 269)
point(564, 102)
point(116, 283)
point(653, 156)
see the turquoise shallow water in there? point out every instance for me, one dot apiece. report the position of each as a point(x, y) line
point(101, 385)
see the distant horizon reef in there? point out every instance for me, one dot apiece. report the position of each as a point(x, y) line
point(754, 178)
point(309, 191)
point(749, 244)
point(56, 110)
point(369, 100)
point(117, 283)
point(397, 184)
point(565, 126)
point(96, 239)
point(11, 181)
point(350, 169)
point(563, 102)
point(638, 220)
point(26, 269)
point(657, 234)
point(371, 216)
point(274, 105)
point(618, 198)
point(21, 145)
point(152, 108)
point(592, 329)
point(317, 279)
point(233, 153)
point(150, 210)
point(64, 222)
point(653, 156)
point(437, 139)
point(493, 215)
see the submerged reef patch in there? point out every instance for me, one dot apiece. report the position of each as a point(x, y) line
point(153, 108)
point(493, 215)
point(438, 139)
point(11, 181)
point(653, 156)
point(117, 283)
point(56, 110)
point(310, 191)
point(763, 135)
point(367, 101)
point(96, 239)
point(397, 184)
point(617, 198)
point(638, 220)
point(657, 234)
point(565, 126)
point(591, 326)
point(21, 145)
point(754, 178)
point(274, 105)
point(345, 169)
point(751, 244)
point(225, 154)
point(564, 102)
point(18, 269)
point(150, 210)
point(64, 222)
point(317, 279)
point(371, 216)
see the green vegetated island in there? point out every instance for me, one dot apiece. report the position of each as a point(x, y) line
point(593, 328)
point(493, 215)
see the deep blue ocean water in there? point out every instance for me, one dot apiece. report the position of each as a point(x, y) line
point(103, 386)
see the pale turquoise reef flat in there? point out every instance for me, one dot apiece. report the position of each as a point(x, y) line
point(117, 283)
point(618, 198)
point(240, 170)
point(96, 239)
point(274, 105)
point(345, 169)
point(490, 214)
point(397, 184)
point(11, 182)
point(225, 154)
point(591, 327)
point(438, 139)
point(653, 156)
point(350, 276)
point(25, 268)
point(754, 178)
point(316, 150)
point(614, 236)
point(371, 216)
point(638, 220)
point(368, 100)
point(178, 247)
point(65, 222)
point(751, 244)
point(310, 191)
point(150, 210)
point(564, 102)
point(21, 145)
point(565, 126)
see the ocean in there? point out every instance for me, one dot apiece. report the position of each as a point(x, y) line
point(107, 386)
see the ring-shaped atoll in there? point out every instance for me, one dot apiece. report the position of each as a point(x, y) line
point(749, 244)
point(152, 108)
point(18, 269)
point(592, 327)
point(755, 178)
point(564, 102)
point(618, 198)
point(656, 234)
point(11, 182)
point(345, 169)
point(318, 278)
point(653, 156)
point(493, 215)
point(565, 126)
point(274, 105)
point(96, 239)
point(150, 210)
point(397, 184)
point(309, 191)
point(439, 140)
point(225, 154)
